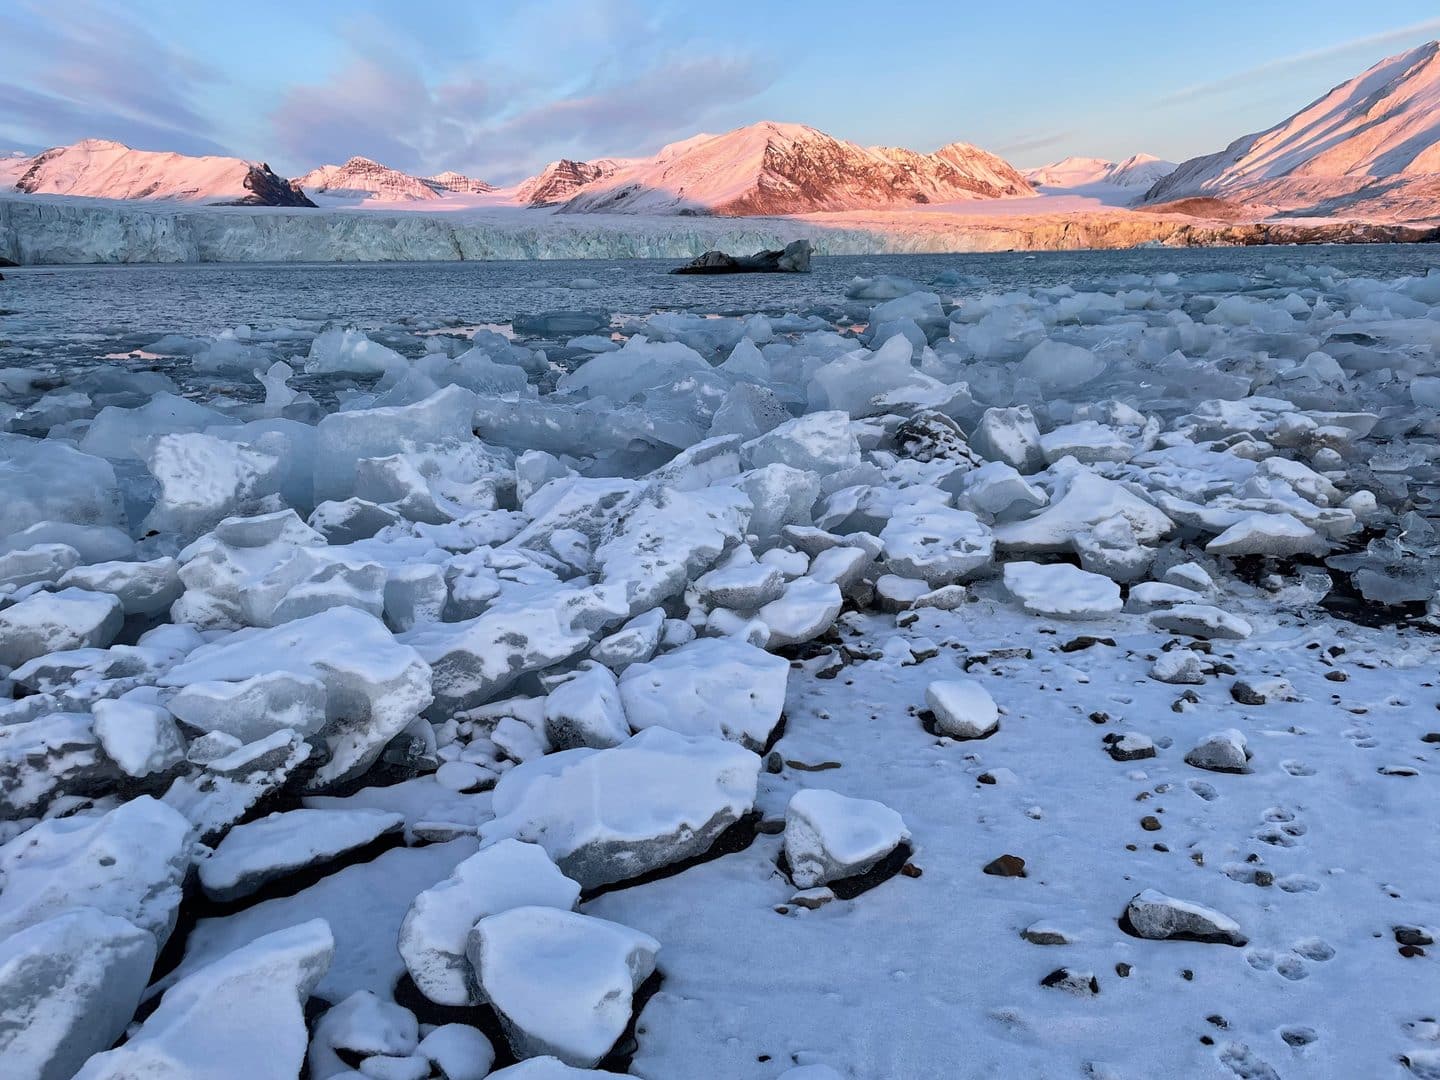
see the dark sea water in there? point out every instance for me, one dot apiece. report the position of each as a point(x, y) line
point(56, 317)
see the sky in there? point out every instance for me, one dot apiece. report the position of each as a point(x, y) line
point(495, 89)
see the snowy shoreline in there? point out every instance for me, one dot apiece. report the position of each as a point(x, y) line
point(58, 231)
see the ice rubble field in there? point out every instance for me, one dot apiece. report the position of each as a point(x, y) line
point(1038, 685)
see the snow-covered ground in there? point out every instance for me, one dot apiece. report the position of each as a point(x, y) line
point(959, 684)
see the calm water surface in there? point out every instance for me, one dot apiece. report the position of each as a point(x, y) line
point(54, 318)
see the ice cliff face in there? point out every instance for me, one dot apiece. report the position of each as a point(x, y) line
point(1370, 146)
point(53, 231)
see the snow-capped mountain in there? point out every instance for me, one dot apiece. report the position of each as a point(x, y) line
point(360, 177)
point(1136, 171)
point(1370, 146)
point(456, 183)
point(771, 168)
point(560, 180)
point(13, 164)
point(102, 169)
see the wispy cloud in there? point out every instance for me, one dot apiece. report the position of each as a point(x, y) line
point(610, 79)
point(1025, 143)
point(1370, 43)
point(64, 82)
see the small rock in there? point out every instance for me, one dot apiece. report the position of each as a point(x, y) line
point(963, 708)
point(1158, 917)
point(829, 837)
point(1129, 747)
point(1178, 667)
point(1225, 751)
point(1006, 866)
point(1045, 934)
point(1080, 983)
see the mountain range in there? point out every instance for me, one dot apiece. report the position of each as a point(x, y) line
point(1369, 149)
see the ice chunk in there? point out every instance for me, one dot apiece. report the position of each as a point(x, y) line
point(739, 584)
point(608, 815)
point(1276, 535)
point(128, 862)
point(857, 382)
point(748, 411)
point(561, 983)
point(366, 1026)
point(95, 543)
point(963, 708)
point(936, 544)
point(1202, 621)
point(194, 1034)
point(41, 758)
point(1010, 436)
point(1061, 590)
point(780, 496)
point(1086, 441)
point(69, 985)
point(996, 489)
point(50, 622)
point(253, 708)
point(42, 562)
point(668, 539)
point(506, 875)
point(344, 438)
point(526, 629)
point(585, 710)
point(1059, 367)
point(712, 686)
point(126, 434)
point(820, 442)
point(829, 837)
point(142, 739)
point(374, 686)
point(144, 588)
point(259, 851)
point(1111, 548)
point(1086, 500)
point(345, 349)
point(805, 610)
point(633, 643)
point(458, 1052)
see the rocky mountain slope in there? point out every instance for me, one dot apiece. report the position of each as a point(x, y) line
point(559, 181)
point(771, 168)
point(102, 169)
point(1370, 147)
point(451, 181)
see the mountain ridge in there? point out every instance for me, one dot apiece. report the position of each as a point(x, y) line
point(1370, 145)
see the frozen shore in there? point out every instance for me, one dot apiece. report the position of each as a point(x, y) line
point(1036, 684)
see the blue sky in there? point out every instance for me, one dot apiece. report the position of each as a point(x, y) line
point(496, 89)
